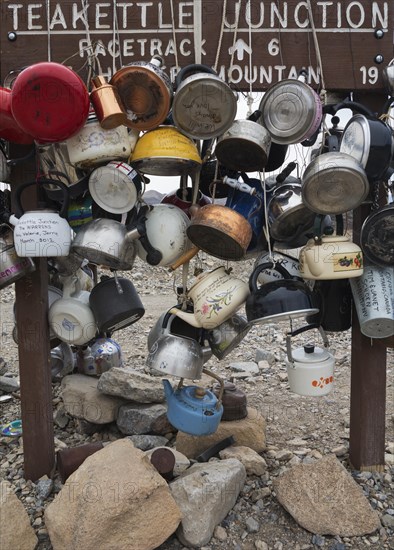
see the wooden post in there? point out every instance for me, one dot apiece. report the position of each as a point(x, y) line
point(33, 347)
point(368, 370)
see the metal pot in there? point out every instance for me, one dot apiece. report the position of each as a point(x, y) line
point(9, 129)
point(279, 300)
point(176, 355)
point(220, 231)
point(291, 111)
point(102, 242)
point(107, 104)
point(165, 151)
point(182, 198)
point(334, 183)
point(234, 402)
point(290, 220)
point(388, 77)
point(12, 267)
point(103, 355)
point(204, 106)
point(377, 236)
point(226, 337)
point(115, 304)
point(371, 143)
point(146, 93)
point(244, 146)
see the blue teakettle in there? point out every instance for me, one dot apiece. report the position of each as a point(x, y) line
point(192, 409)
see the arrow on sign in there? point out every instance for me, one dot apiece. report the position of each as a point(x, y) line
point(240, 47)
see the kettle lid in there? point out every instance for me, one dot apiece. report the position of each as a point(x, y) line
point(196, 396)
point(310, 353)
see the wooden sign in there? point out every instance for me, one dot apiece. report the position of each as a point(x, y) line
point(252, 44)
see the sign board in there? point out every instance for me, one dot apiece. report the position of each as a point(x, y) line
point(252, 45)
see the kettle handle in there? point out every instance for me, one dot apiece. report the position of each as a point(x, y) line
point(18, 204)
point(301, 330)
point(221, 382)
point(267, 265)
point(137, 230)
point(317, 228)
point(189, 70)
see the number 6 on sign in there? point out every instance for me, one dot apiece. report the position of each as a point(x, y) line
point(273, 46)
point(371, 72)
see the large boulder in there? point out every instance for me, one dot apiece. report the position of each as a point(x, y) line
point(247, 432)
point(205, 493)
point(324, 499)
point(116, 499)
point(82, 399)
point(15, 531)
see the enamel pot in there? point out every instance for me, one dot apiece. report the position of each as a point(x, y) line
point(334, 183)
point(330, 256)
point(145, 91)
point(244, 146)
point(103, 242)
point(204, 106)
point(279, 300)
point(192, 409)
point(115, 304)
point(41, 233)
point(182, 198)
point(165, 151)
point(9, 129)
point(220, 231)
point(216, 296)
point(371, 143)
point(160, 231)
point(49, 101)
point(310, 369)
point(291, 111)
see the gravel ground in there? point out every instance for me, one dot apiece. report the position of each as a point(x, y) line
point(257, 521)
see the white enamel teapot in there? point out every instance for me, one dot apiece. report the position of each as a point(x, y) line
point(216, 295)
point(41, 233)
point(331, 256)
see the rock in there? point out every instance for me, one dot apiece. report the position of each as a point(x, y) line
point(253, 462)
point(390, 447)
point(146, 442)
point(82, 399)
point(388, 521)
point(3, 366)
point(205, 493)
point(341, 450)
point(283, 376)
point(284, 455)
point(220, 533)
point(389, 459)
point(131, 385)
point(9, 384)
point(61, 418)
point(248, 367)
point(317, 540)
point(16, 531)
point(135, 419)
point(44, 488)
point(247, 432)
point(264, 355)
point(252, 526)
point(116, 499)
point(261, 545)
point(182, 463)
point(86, 428)
point(324, 499)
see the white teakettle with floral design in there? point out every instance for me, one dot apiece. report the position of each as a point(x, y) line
point(216, 296)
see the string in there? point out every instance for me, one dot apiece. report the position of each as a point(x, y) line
point(93, 59)
point(115, 27)
point(174, 33)
point(237, 12)
point(48, 30)
point(215, 66)
point(316, 43)
point(249, 100)
point(266, 227)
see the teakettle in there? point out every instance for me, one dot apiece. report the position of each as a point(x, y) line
point(192, 409)
point(310, 369)
point(330, 257)
point(216, 296)
point(12, 267)
point(40, 233)
point(103, 355)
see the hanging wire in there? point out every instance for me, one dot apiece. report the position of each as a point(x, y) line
point(237, 13)
point(48, 14)
point(174, 33)
point(249, 100)
point(266, 226)
point(317, 48)
point(215, 67)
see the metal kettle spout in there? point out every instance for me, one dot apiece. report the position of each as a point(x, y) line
point(188, 317)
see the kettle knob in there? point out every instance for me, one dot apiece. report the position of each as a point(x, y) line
point(309, 348)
